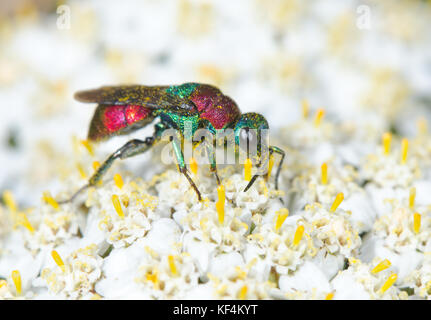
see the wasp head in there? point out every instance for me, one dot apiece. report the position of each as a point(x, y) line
point(251, 133)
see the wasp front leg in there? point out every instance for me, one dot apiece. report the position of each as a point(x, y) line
point(272, 149)
point(275, 149)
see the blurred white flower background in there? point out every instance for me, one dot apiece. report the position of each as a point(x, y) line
point(346, 89)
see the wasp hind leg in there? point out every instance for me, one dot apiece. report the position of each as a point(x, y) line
point(130, 149)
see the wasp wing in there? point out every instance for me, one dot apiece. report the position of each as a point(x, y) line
point(153, 97)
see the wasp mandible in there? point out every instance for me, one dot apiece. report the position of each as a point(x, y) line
point(124, 109)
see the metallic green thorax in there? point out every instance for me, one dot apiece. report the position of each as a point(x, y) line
point(180, 122)
point(183, 91)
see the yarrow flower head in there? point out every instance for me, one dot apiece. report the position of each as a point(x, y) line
point(124, 213)
point(420, 279)
point(167, 276)
point(73, 276)
point(367, 281)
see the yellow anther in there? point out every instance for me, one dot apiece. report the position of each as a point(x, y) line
point(117, 205)
point(241, 274)
point(391, 280)
point(81, 171)
point(23, 220)
point(404, 150)
point(298, 235)
point(58, 260)
point(3, 283)
point(50, 200)
point(338, 199)
point(194, 165)
point(329, 296)
point(16, 278)
point(220, 211)
point(96, 165)
point(270, 166)
point(386, 141)
point(305, 108)
point(221, 290)
point(243, 293)
point(324, 170)
point(172, 265)
point(383, 265)
point(247, 169)
point(151, 252)
point(412, 197)
point(353, 260)
point(416, 222)
point(88, 146)
point(221, 193)
point(153, 278)
point(319, 116)
point(125, 200)
point(10, 201)
point(281, 217)
point(118, 181)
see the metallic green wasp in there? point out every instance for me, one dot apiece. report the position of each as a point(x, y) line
point(124, 109)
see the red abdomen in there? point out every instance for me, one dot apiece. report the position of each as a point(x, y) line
point(119, 117)
point(214, 106)
point(109, 120)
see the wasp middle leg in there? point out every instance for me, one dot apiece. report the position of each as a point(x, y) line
point(212, 159)
point(182, 165)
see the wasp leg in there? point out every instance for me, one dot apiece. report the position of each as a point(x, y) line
point(253, 179)
point(272, 149)
point(182, 166)
point(130, 149)
point(216, 175)
point(212, 159)
point(283, 154)
point(251, 182)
